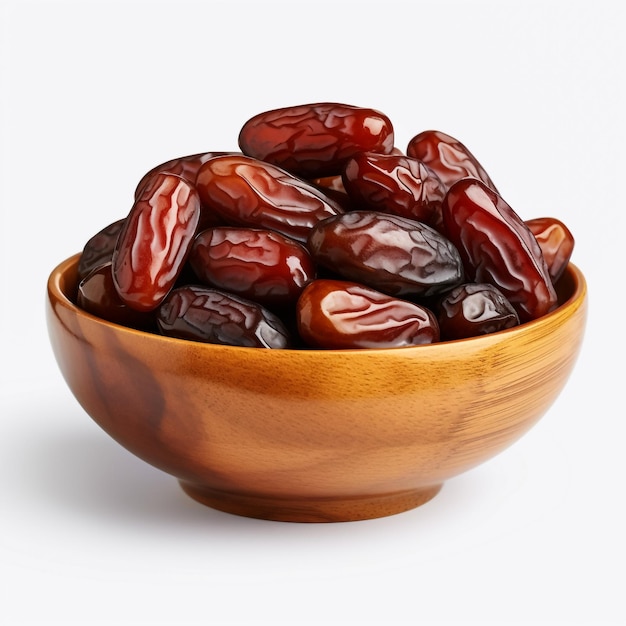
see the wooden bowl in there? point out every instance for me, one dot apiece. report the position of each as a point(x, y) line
point(312, 435)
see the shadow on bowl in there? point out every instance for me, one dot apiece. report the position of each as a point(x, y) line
point(313, 435)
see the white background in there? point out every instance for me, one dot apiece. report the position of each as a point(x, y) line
point(93, 94)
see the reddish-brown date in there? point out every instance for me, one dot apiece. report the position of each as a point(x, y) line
point(314, 140)
point(97, 295)
point(99, 248)
point(186, 167)
point(258, 264)
point(155, 241)
point(556, 243)
point(199, 313)
point(249, 192)
point(474, 309)
point(447, 157)
point(393, 254)
point(331, 183)
point(333, 187)
point(337, 314)
point(394, 184)
point(498, 248)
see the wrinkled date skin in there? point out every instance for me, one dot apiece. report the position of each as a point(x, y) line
point(186, 167)
point(260, 265)
point(337, 314)
point(447, 157)
point(314, 140)
point(395, 184)
point(249, 192)
point(156, 239)
point(556, 243)
point(208, 315)
point(321, 233)
point(99, 249)
point(475, 309)
point(97, 295)
point(393, 254)
point(498, 248)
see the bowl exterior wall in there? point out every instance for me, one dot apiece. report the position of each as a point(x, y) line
point(313, 424)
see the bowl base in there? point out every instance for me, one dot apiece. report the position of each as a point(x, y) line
point(310, 509)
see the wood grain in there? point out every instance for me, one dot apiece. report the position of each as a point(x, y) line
point(314, 435)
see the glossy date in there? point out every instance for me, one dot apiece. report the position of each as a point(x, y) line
point(186, 167)
point(321, 229)
point(154, 243)
point(498, 248)
point(99, 248)
point(556, 243)
point(393, 254)
point(394, 184)
point(249, 192)
point(337, 314)
point(97, 295)
point(447, 157)
point(474, 309)
point(258, 264)
point(208, 315)
point(314, 140)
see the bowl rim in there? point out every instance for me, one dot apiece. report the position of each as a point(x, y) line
point(577, 298)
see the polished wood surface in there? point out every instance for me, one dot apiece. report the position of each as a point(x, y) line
point(306, 435)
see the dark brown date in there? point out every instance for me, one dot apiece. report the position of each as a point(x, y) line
point(313, 140)
point(249, 192)
point(337, 314)
point(261, 265)
point(97, 295)
point(394, 184)
point(393, 254)
point(475, 309)
point(208, 315)
point(447, 157)
point(498, 248)
point(155, 241)
point(99, 248)
point(556, 243)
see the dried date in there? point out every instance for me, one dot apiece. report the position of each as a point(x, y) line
point(249, 192)
point(99, 248)
point(156, 239)
point(97, 295)
point(322, 220)
point(333, 187)
point(498, 248)
point(393, 254)
point(315, 140)
point(186, 167)
point(336, 314)
point(258, 264)
point(208, 315)
point(447, 157)
point(556, 243)
point(394, 184)
point(474, 309)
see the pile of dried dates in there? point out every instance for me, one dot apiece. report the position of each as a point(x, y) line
point(322, 234)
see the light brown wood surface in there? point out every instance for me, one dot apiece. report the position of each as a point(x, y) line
point(305, 435)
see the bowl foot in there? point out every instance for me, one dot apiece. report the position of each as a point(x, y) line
point(310, 509)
